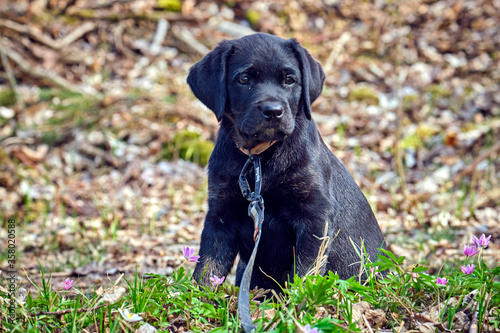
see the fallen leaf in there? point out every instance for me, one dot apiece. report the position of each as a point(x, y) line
point(113, 294)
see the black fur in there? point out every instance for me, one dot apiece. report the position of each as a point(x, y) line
point(261, 88)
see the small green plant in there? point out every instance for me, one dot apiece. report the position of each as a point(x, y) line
point(312, 304)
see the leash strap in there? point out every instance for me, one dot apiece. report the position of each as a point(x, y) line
point(256, 212)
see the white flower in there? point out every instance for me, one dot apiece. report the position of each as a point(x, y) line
point(128, 316)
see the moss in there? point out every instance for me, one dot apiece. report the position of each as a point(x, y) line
point(411, 141)
point(45, 94)
point(86, 13)
point(50, 137)
point(189, 146)
point(252, 16)
point(7, 97)
point(468, 91)
point(436, 91)
point(425, 131)
point(366, 95)
point(408, 100)
point(170, 5)
point(171, 99)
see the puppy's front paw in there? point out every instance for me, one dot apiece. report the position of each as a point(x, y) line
point(207, 273)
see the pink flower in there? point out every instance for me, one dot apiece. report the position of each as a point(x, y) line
point(414, 275)
point(442, 281)
point(308, 329)
point(68, 284)
point(468, 269)
point(483, 241)
point(470, 251)
point(216, 281)
point(188, 254)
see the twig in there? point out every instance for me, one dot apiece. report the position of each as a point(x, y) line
point(107, 4)
point(402, 325)
point(74, 35)
point(367, 324)
point(473, 165)
point(43, 73)
point(187, 37)
point(161, 32)
point(474, 323)
point(233, 29)
point(337, 49)
point(11, 78)
point(15, 140)
point(116, 17)
point(117, 37)
point(399, 115)
point(42, 38)
point(63, 312)
point(91, 150)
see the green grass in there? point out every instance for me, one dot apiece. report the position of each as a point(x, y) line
point(324, 302)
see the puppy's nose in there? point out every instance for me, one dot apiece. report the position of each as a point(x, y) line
point(272, 110)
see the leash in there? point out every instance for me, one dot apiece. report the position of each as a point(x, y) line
point(256, 212)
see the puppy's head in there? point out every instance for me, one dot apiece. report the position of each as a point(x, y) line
point(260, 83)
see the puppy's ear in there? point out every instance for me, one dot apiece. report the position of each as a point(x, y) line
point(312, 77)
point(207, 79)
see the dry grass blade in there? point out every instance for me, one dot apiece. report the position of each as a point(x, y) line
point(322, 258)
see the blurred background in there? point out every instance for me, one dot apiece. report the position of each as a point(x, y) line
point(103, 147)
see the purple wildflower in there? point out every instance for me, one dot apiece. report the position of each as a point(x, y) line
point(308, 329)
point(442, 281)
point(188, 254)
point(468, 269)
point(216, 280)
point(482, 241)
point(470, 251)
point(68, 284)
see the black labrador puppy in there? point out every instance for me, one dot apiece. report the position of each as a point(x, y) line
point(260, 88)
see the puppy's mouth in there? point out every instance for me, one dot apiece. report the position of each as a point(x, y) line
point(261, 139)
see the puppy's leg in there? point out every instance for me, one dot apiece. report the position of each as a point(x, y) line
point(240, 269)
point(218, 249)
point(309, 239)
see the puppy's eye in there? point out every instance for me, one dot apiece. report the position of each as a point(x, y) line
point(244, 79)
point(289, 80)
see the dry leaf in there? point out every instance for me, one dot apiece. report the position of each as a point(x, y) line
point(359, 309)
point(376, 317)
point(113, 294)
point(100, 291)
point(146, 328)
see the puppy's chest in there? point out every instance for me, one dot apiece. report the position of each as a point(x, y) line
point(277, 217)
point(277, 231)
